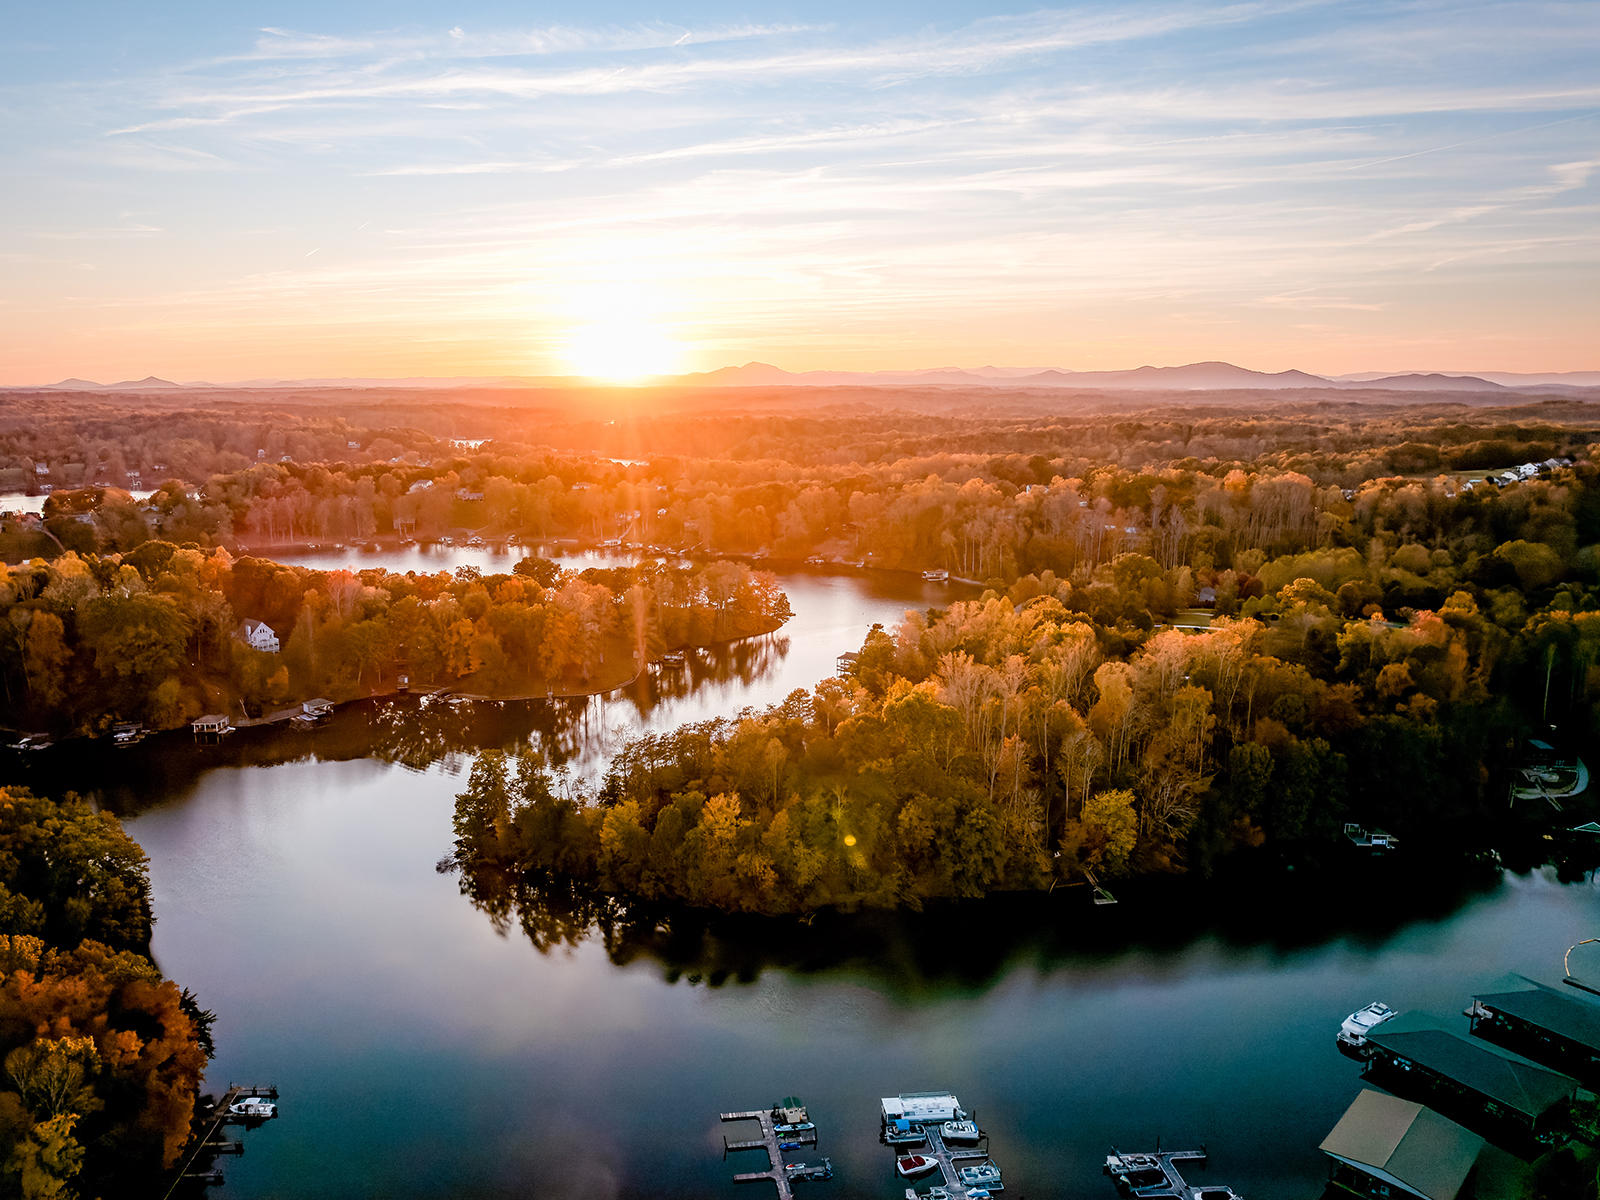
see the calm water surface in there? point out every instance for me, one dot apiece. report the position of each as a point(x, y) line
point(422, 1053)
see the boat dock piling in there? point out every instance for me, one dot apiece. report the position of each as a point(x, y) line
point(782, 1175)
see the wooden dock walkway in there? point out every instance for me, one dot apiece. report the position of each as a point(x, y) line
point(772, 1142)
point(209, 1141)
point(950, 1158)
point(1139, 1171)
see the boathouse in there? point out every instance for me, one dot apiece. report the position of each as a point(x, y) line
point(1466, 1074)
point(211, 725)
point(1558, 1028)
point(921, 1108)
point(1384, 1146)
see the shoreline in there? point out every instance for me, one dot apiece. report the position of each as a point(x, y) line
point(282, 716)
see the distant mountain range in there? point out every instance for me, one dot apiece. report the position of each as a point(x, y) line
point(1203, 376)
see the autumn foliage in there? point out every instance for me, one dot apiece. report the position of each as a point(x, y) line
point(100, 1057)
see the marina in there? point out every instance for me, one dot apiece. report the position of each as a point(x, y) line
point(785, 1127)
point(1155, 1174)
point(966, 1172)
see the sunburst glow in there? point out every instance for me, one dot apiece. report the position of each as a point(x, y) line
point(622, 349)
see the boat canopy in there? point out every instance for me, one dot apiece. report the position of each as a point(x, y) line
point(921, 1106)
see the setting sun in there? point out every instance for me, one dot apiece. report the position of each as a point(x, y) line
point(622, 350)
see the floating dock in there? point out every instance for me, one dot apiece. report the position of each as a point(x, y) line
point(211, 1142)
point(926, 1113)
point(1155, 1175)
point(783, 1175)
point(951, 1158)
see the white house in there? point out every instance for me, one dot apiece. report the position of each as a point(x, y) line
point(257, 635)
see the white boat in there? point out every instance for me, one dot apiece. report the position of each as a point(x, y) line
point(937, 576)
point(1358, 1025)
point(912, 1165)
point(984, 1174)
point(253, 1106)
point(960, 1131)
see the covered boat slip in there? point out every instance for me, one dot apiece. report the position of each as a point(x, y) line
point(1469, 1073)
point(1384, 1145)
point(1560, 1028)
point(922, 1108)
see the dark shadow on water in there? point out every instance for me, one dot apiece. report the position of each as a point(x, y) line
point(416, 732)
point(1249, 908)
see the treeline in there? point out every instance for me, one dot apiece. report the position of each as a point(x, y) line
point(77, 440)
point(100, 1057)
point(1003, 745)
point(986, 517)
point(153, 635)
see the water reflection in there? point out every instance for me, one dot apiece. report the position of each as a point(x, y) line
point(969, 945)
point(578, 732)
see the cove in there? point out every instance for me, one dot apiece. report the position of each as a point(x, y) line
point(422, 1051)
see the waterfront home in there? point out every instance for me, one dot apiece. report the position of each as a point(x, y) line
point(258, 635)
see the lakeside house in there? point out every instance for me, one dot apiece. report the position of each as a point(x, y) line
point(258, 635)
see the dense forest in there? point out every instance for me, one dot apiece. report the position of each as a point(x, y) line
point(100, 1057)
point(152, 635)
point(1005, 746)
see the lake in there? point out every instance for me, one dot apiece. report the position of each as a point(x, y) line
point(422, 1051)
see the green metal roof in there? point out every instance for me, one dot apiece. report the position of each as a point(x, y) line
point(1405, 1143)
point(1514, 1082)
point(1563, 1013)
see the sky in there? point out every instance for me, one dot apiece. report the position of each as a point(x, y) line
point(246, 190)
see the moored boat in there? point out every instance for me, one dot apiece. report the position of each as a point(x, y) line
point(902, 1133)
point(985, 1174)
point(960, 1131)
point(1353, 1033)
point(912, 1165)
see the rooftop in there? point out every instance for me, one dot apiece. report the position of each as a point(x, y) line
point(1406, 1144)
point(1563, 1013)
point(1513, 1082)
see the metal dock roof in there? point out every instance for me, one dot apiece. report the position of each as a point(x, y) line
point(1513, 1082)
point(1405, 1144)
point(1569, 1016)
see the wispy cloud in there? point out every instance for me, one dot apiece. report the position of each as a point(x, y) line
point(1260, 168)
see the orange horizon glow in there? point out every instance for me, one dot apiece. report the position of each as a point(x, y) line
point(1095, 187)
